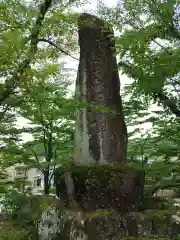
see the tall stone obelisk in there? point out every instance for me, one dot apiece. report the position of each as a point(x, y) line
point(100, 136)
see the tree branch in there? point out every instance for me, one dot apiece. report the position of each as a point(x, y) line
point(142, 149)
point(160, 94)
point(168, 103)
point(7, 28)
point(51, 174)
point(54, 45)
point(13, 82)
point(7, 107)
point(35, 155)
point(162, 97)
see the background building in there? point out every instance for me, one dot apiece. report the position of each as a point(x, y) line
point(32, 179)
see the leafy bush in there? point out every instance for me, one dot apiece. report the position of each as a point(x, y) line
point(19, 206)
point(177, 237)
point(24, 211)
point(145, 238)
point(9, 232)
point(13, 203)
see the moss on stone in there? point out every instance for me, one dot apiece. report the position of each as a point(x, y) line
point(101, 186)
point(103, 175)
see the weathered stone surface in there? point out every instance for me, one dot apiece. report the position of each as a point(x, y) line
point(107, 227)
point(102, 187)
point(104, 194)
point(100, 137)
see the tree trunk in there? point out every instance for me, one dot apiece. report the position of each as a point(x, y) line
point(46, 182)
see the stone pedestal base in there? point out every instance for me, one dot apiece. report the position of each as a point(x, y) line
point(109, 227)
point(99, 225)
point(96, 197)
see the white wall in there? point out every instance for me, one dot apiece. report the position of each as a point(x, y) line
point(32, 175)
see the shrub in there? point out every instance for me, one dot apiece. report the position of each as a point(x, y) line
point(177, 237)
point(145, 238)
point(10, 232)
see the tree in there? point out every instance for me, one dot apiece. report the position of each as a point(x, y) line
point(35, 36)
point(50, 116)
point(149, 48)
point(147, 45)
point(24, 26)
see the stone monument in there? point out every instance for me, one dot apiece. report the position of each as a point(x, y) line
point(99, 188)
point(100, 134)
